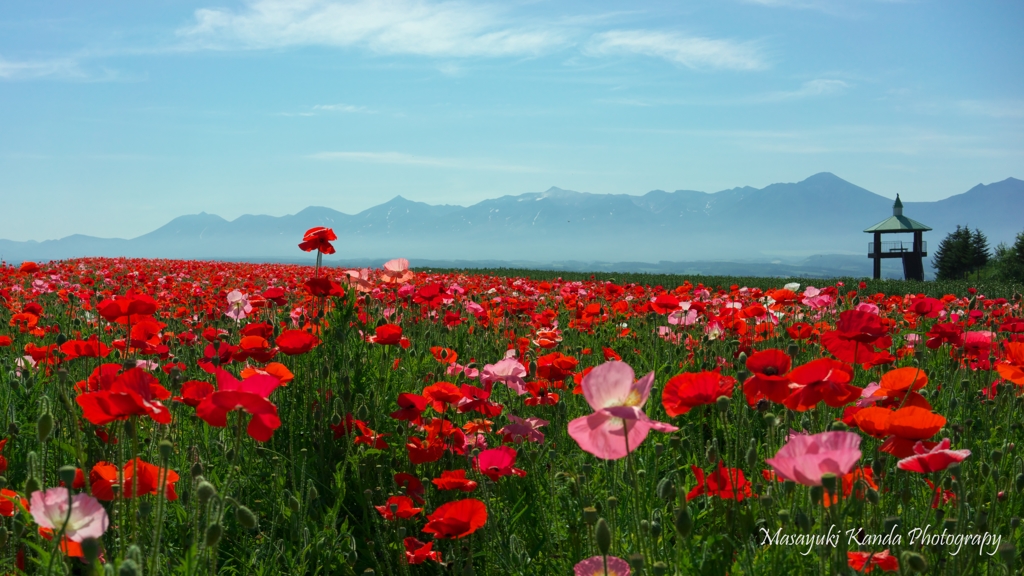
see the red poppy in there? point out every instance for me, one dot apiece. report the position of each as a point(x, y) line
point(104, 476)
point(497, 462)
point(28, 267)
point(819, 380)
point(476, 399)
point(689, 390)
point(388, 335)
point(725, 483)
point(1013, 368)
point(275, 369)
point(457, 519)
point(318, 238)
point(403, 508)
point(295, 342)
point(873, 421)
point(850, 481)
point(444, 355)
point(441, 395)
point(133, 393)
point(421, 452)
point(417, 552)
point(938, 458)
point(275, 295)
point(864, 562)
point(411, 408)
point(665, 303)
point(11, 502)
point(454, 480)
point(770, 376)
point(412, 485)
point(193, 392)
point(800, 331)
point(91, 348)
point(126, 309)
point(255, 347)
point(944, 333)
point(899, 388)
point(3, 461)
point(250, 395)
point(324, 287)
point(5, 341)
point(555, 366)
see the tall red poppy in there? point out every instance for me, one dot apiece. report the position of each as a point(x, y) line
point(318, 238)
point(689, 390)
point(820, 380)
point(133, 393)
point(457, 519)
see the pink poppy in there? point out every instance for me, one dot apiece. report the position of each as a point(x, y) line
point(87, 518)
point(938, 458)
point(805, 458)
point(618, 424)
point(523, 429)
point(594, 566)
point(509, 372)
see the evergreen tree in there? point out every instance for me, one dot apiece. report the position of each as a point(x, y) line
point(953, 260)
point(1012, 260)
point(980, 252)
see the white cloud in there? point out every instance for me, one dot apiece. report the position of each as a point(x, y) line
point(400, 158)
point(419, 27)
point(342, 108)
point(689, 51)
point(63, 67)
point(809, 89)
point(992, 108)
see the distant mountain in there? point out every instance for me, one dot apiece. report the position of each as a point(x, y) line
point(781, 223)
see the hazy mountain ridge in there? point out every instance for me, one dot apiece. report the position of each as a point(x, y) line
point(820, 215)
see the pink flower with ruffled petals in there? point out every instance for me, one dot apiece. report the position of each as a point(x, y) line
point(618, 424)
point(509, 372)
point(594, 566)
point(87, 519)
point(806, 457)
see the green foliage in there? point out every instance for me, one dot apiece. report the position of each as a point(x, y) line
point(1008, 263)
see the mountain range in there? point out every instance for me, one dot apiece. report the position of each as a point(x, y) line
point(817, 222)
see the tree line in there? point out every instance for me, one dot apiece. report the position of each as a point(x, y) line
point(965, 252)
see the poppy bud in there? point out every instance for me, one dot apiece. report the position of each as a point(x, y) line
point(805, 422)
point(666, 491)
point(213, 534)
point(1014, 523)
point(817, 494)
point(802, 521)
point(683, 521)
point(166, 449)
point(906, 495)
point(293, 504)
point(12, 429)
point(742, 375)
point(995, 456)
point(590, 515)
point(788, 486)
point(205, 491)
point(645, 527)
point(751, 455)
point(985, 469)
point(723, 403)
point(914, 561)
point(953, 403)
point(659, 448)
point(784, 516)
point(587, 468)
point(67, 475)
point(3, 482)
point(828, 481)
point(4, 536)
point(613, 502)
point(659, 569)
point(32, 485)
point(872, 496)
point(675, 442)
point(145, 508)
point(197, 470)
point(603, 536)
point(711, 454)
point(766, 500)
point(839, 425)
point(245, 517)
point(1007, 553)
point(336, 420)
point(636, 561)
point(793, 349)
point(877, 466)
point(128, 568)
point(949, 524)
point(1019, 482)
point(369, 572)
point(770, 419)
point(890, 523)
point(655, 529)
point(44, 425)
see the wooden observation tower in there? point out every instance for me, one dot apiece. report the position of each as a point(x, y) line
point(912, 252)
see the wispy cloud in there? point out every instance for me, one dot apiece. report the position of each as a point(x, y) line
point(834, 7)
point(992, 108)
point(400, 158)
point(342, 108)
point(809, 89)
point(418, 27)
point(25, 69)
point(689, 51)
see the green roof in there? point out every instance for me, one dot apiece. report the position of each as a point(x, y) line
point(898, 224)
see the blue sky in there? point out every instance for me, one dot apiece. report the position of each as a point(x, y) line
point(117, 116)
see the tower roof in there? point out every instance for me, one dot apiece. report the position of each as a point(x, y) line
point(898, 222)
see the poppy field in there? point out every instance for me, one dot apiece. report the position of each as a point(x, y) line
point(186, 417)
